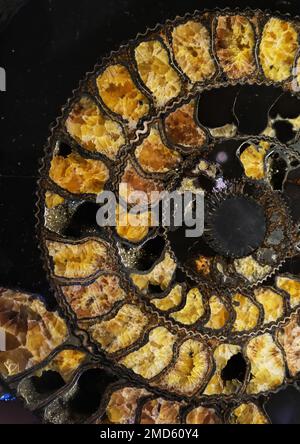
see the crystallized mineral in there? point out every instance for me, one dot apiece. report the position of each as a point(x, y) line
point(31, 331)
point(247, 313)
point(181, 128)
point(267, 364)
point(289, 338)
point(78, 175)
point(248, 414)
point(191, 45)
point(156, 72)
point(250, 269)
point(133, 227)
point(79, 260)
point(52, 200)
point(219, 314)
point(278, 49)
point(154, 156)
point(272, 302)
point(291, 287)
point(121, 95)
point(190, 369)
point(202, 415)
point(93, 130)
point(95, 299)
point(121, 331)
point(217, 384)
point(152, 358)
point(132, 182)
point(161, 275)
point(160, 411)
point(122, 405)
point(193, 309)
point(253, 158)
point(235, 43)
point(172, 300)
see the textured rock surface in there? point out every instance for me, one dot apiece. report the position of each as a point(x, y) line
point(278, 49)
point(156, 72)
point(93, 130)
point(191, 45)
point(120, 94)
point(79, 175)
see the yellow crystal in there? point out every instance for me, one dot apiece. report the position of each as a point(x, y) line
point(247, 313)
point(190, 369)
point(79, 175)
point(291, 287)
point(123, 330)
point(156, 72)
point(153, 357)
point(95, 299)
point(272, 303)
point(248, 414)
point(235, 42)
point(193, 309)
point(120, 94)
point(93, 130)
point(219, 315)
point(267, 364)
point(278, 48)
point(78, 260)
point(191, 45)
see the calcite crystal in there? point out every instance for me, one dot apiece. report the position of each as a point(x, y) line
point(181, 128)
point(235, 42)
point(291, 287)
point(253, 160)
point(121, 95)
point(79, 175)
point(160, 411)
point(132, 184)
point(272, 302)
point(193, 309)
point(191, 45)
point(154, 156)
point(267, 364)
point(278, 48)
point(122, 405)
point(250, 269)
point(190, 369)
point(93, 130)
point(248, 413)
point(95, 299)
point(156, 72)
point(170, 301)
point(122, 330)
point(217, 384)
point(151, 359)
point(160, 275)
point(53, 200)
point(133, 227)
point(31, 331)
point(219, 314)
point(247, 313)
point(202, 415)
point(79, 260)
point(65, 363)
point(289, 338)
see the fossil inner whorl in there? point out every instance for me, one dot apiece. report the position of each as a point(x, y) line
point(237, 226)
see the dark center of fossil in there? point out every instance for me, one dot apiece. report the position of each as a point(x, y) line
point(236, 226)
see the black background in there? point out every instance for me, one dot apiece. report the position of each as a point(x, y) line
point(46, 48)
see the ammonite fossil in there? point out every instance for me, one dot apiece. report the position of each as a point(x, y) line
point(156, 327)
